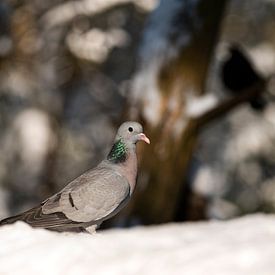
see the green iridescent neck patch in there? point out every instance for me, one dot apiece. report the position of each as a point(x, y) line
point(118, 152)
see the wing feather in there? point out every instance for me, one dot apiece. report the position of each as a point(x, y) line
point(91, 197)
point(34, 217)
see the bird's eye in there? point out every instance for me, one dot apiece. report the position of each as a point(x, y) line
point(130, 129)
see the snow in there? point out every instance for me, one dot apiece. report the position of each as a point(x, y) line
point(95, 45)
point(72, 9)
point(199, 105)
point(241, 246)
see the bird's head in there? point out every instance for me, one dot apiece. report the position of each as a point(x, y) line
point(128, 134)
point(131, 132)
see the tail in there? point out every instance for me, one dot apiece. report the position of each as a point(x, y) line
point(25, 216)
point(55, 221)
point(11, 220)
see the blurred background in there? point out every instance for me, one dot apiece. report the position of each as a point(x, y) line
point(198, 74)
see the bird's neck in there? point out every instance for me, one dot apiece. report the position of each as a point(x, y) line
point(124, 158)
point(118, 153)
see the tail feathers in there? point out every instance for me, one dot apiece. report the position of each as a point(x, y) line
point(55, 221)
point(10, 220)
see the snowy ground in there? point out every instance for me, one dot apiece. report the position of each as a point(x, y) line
point(242, 246)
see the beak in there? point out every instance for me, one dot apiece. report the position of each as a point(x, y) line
point(144, 138)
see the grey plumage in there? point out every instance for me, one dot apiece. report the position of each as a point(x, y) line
point(96, 195)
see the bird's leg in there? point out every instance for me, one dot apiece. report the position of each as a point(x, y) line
point(91, 229)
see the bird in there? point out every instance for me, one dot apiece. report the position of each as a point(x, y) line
point(95, 196)
point(239, 74)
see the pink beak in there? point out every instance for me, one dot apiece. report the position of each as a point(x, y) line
point(144, 138)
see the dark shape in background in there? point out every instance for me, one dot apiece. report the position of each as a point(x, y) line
point(238, 74)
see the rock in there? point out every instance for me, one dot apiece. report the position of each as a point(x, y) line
point(241, 246)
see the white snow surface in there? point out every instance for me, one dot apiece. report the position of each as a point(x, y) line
point(241, 246)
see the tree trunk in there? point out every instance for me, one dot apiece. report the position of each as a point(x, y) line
point(174, 75)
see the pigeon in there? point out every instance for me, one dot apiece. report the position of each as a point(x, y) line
point(95, 196)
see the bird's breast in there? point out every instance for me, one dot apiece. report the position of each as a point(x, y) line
point(129, 170)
